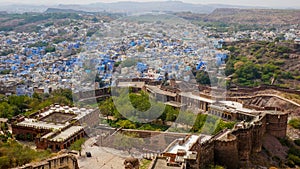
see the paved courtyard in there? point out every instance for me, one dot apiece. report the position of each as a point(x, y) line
point(102, 157)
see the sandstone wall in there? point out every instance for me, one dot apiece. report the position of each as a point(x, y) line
point(65, 161)
point(226, 152)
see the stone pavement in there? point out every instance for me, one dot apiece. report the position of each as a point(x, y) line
point(102, 157)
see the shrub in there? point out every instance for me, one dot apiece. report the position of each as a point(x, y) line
point(297, 142)
point(295, 123)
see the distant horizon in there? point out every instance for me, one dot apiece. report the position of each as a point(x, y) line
point(254, 3)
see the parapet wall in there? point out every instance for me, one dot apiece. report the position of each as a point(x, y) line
point(244, 138)
point(59, 162)
point(235, 150)
point(265, 87)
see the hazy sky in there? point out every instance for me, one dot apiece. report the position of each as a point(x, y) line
point(266, 3)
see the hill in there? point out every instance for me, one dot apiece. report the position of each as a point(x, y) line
point(272, 63)
point(142, 7)
point(57, 10)
point(255, 16)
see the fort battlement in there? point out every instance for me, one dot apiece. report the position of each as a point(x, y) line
point(232, 148)
point(227, 140)
point(226, 151)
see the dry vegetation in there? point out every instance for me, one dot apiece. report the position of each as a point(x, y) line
point(255, 16)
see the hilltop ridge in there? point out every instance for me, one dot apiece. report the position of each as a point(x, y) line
point(255, 16)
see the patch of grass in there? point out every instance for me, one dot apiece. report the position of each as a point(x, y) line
point(144, 164)
point(216, 167)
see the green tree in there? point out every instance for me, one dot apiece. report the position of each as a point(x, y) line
point(39, 44)
point(14, 154)
point(127, 124)
point(5, 162)
point(203, 78)
point(223, 125)
point(7, 110)
point(171, 113)
point(21, 102)
point(140, 101)
point(107, 108)
point(50, 49)
point(200, 121)
point(67, 93)
point(229, 70)
point(77, 145)
point(247, 73)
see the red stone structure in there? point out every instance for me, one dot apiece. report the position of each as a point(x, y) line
point(55, 127)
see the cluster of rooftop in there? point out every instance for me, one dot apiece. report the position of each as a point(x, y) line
point(55, 127)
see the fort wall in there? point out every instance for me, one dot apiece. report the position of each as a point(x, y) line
point(205, 154)
point(226, 152)
point(66, 161)
point(277, 124)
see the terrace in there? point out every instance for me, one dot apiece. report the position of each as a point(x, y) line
point(58, 117)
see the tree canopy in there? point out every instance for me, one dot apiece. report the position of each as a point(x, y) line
point(261, 62)
point(13, 154)
point(14, 105)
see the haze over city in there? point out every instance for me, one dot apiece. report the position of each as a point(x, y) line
point(268, 3)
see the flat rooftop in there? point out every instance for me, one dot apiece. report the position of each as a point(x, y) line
point(175, 104)
point(187, 144)
point(41, 124)
point(57, 117)
point(192, 96)
point(66, 109)
point(237, 106)
point(64, 135)
point(156, 89)
point(162, 164)
point(131, 84)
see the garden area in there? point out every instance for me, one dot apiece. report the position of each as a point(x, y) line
point(143, 113)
